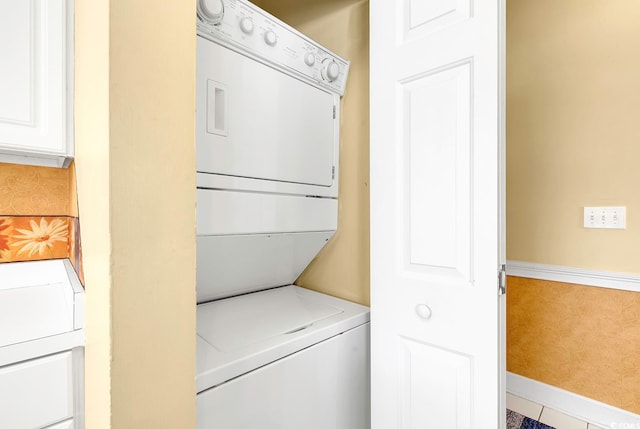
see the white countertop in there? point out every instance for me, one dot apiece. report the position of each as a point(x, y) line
point(41, 309)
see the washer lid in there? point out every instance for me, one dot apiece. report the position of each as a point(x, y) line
point(240, 321)
point(255, 337)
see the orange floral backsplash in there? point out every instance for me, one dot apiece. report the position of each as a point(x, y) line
point(39, 214)
point(31, 238)
point(27, 238)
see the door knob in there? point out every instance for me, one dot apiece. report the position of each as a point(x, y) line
point(423, 311)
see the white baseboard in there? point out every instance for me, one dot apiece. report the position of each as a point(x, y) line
point(606, 279)
point(572, 404)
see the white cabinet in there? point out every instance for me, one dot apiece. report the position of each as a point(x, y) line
point(41, 345)
point(36, 82)
point(38, 392)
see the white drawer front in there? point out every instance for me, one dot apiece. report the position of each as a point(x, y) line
point(36, 393)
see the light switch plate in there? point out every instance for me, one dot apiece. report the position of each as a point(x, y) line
point(605, 217)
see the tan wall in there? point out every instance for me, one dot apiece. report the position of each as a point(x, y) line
point(342, 268)
point(135, 92)
point(572, 130)
point(572, 141)
point(92, 168)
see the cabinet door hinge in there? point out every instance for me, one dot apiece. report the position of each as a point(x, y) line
point(502, 280)
point(334, 112)
point(333, 172)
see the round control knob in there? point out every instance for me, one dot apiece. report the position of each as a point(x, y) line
point(246, 25)
point(309, 59)
point(331, 70)
point(270, 38)
point(211, 11)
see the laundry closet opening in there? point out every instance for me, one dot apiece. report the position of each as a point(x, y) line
point(571, 122)
point(269, 117)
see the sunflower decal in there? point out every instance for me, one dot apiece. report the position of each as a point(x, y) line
point(4, 238)
point(40, 237)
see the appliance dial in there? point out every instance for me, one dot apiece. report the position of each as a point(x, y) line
point(309, 59)
point(331, 70)
point(270, 38)
point(211, 11)
point(246, 25)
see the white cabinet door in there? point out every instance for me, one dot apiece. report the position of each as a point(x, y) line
point(37, 393)
point(34, 75)
point(436, 194)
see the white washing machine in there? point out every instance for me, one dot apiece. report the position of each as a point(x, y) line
point(270, 354)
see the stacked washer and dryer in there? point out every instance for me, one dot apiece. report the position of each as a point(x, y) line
point(270, 354)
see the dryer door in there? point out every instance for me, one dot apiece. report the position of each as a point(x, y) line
point(256, 122)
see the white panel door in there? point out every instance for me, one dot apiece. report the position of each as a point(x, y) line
point(437, 238)
point(33, 81)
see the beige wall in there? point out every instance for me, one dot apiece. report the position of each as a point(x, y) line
point(342, 268)
point(135, 158)
point(573, 130)
point(92, 173)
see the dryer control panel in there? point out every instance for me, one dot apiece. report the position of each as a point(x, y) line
point(242, 25)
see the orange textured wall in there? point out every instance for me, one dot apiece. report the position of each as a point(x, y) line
point(582, 339)
point(42, 191)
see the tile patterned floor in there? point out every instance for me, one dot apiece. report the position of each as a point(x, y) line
point(545, 415)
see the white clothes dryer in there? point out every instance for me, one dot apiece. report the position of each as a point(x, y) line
point(270, 354)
